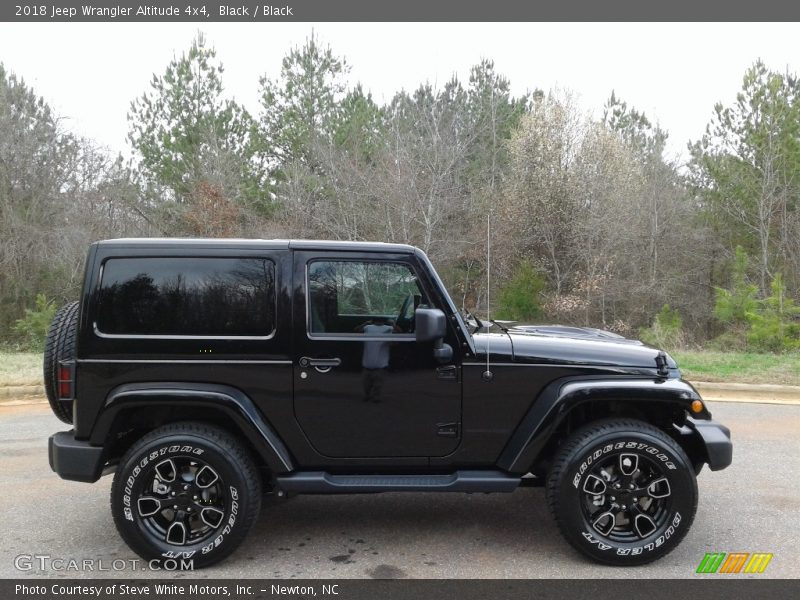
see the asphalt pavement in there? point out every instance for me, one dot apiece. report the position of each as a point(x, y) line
point(753, 506)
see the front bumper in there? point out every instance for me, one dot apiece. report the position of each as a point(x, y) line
point(73, 459)
point(714, 439)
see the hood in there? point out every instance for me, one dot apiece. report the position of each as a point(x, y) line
point(574, 332)
point(536, 347)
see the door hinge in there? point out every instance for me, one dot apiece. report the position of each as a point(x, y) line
point(447, 429)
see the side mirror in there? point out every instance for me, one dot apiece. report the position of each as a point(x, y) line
point(429, 324)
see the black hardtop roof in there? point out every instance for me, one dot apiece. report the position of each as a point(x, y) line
point(256, 243)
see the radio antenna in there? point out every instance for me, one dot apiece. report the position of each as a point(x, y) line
point(487, 374)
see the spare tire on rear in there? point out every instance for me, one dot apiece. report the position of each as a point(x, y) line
point(59, 346)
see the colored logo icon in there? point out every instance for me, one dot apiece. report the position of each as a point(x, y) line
point(734, 562)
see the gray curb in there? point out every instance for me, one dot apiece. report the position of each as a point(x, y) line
point(10, 392)
point(749, 392)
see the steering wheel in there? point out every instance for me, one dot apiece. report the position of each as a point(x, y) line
point(402, 321)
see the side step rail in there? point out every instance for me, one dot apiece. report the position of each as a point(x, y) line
point(315, 482)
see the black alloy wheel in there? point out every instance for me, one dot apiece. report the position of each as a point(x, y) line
point(627, 497)
point(184, 501)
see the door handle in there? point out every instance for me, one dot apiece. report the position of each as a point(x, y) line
point(305, 361)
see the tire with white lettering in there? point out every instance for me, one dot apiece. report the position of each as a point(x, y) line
point(186, 494)
point(622, 492)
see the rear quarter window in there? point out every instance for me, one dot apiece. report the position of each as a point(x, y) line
point(199, 297)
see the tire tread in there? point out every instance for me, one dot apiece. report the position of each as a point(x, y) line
point(60, 345)
point(229, 445)
point(565, 455)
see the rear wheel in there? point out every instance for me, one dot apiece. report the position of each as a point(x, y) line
point(186, 491)
point(60, 345)
point(622, 492)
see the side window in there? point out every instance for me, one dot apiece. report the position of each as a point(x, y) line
point(369, 298)
point(203, 297)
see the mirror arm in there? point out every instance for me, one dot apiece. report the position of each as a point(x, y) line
point(442, 352)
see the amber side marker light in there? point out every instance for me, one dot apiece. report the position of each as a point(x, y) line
point(697, 406)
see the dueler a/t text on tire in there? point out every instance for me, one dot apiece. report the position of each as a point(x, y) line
point(186, 491)
point(622, 492)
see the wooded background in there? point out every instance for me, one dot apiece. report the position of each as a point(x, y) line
point(592, 223)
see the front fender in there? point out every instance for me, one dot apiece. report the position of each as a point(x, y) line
point(232, 402)
point(562, 396)
point(712, 441)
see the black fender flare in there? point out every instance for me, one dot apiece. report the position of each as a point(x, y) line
point(560, 397)
point(232, 402)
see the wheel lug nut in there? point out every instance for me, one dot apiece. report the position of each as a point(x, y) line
point(613, 498)
point(186, 487)
point(194, 497)
point(631, 486)
point(616, 486)
point(172, 494)
point(623, 507)
point(175, 507)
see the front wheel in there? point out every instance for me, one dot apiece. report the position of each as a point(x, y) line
point(186, 491)
point(622, 492)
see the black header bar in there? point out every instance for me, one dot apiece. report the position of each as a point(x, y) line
point(707, 587)
point(400, 10)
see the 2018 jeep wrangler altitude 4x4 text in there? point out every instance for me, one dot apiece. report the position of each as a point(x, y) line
point(207, 373)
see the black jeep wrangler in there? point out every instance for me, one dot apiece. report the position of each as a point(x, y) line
point(206, 374)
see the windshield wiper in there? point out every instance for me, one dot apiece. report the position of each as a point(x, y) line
point(504, 325)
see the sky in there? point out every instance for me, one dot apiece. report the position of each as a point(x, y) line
point(674, 72)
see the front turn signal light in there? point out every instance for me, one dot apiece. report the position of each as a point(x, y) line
point(697, 406)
